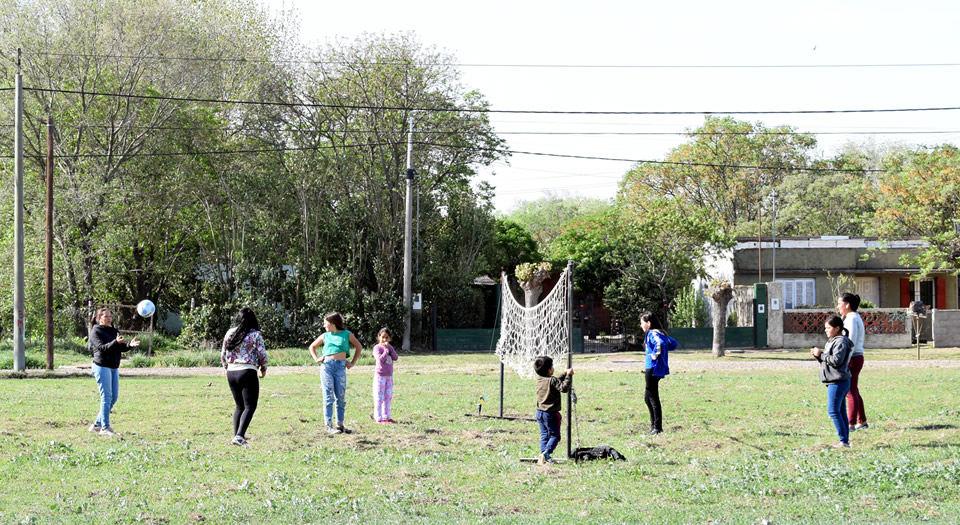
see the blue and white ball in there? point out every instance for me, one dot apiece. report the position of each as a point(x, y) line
point(146, 308)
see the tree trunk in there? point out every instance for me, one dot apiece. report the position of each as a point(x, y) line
point(533, 287)
point(721, 295)
point(531, 294)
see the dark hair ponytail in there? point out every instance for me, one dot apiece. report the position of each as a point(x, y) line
point(836, 322)
point(653, 320)
point(851, 299)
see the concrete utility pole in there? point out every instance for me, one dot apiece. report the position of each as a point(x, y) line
point(49, 243)
point(408, 244)
point(19, 315)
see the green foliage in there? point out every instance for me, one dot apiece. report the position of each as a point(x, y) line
point(734, 197)
point(461, 307)
point(919, 196)
point(314, 192)
point(512, 245)
point(841, 284)
point(527, 271)
point(549, 217)
point(688, 309)
point(825, 203)
point(732, 319)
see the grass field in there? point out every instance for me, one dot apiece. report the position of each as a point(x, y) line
point(741, 445)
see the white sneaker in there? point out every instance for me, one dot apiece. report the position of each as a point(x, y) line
point(330, 429)
point(107, 431)
point(541, 459)
point(238, 440)
point(95, 428)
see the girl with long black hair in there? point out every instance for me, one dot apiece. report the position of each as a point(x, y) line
point(658, 346)
point(243, 354)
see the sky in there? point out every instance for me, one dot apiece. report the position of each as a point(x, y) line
point(671, 56)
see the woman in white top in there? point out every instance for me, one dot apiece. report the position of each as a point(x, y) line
point(847, 305)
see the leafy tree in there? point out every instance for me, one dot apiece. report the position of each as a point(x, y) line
point(547, 218)
point(919, 196)
point(511, 245)
point(824, 202)
point(712, 176)
point(665, 245)
point(589, 240)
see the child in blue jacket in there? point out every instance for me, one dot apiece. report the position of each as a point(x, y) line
point(658, 346)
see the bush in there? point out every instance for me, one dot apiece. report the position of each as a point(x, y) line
point(689, 310)
point(460, 307)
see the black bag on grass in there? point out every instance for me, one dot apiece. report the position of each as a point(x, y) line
point(601, 452)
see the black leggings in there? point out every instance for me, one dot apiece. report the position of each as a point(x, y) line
point(651, 396)
point(246, 390)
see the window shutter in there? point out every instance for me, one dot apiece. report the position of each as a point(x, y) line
point(941, 298)
point(904, 293)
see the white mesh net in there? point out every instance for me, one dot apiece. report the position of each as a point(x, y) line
point(526, 333)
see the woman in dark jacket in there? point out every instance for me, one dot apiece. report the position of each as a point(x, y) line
point(835, 373)
point(106, 344)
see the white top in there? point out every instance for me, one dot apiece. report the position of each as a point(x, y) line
point(854, 324)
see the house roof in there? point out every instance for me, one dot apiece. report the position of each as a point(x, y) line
point(484, 280)
point(826, 241)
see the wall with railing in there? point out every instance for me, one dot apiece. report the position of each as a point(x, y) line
point(885, 327)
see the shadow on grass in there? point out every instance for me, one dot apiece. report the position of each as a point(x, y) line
point(780, 433)
point(934, 427)
point(918, 445)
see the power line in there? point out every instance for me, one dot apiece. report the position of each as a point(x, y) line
point(544, 133)
point(474, 148)
point(215, 152)
point(477, 110)
point(496, 65)
point(662, 162)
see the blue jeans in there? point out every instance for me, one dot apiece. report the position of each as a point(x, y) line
point(549, 431)
point(837, 410)
point(108, 383)
point(334, 381)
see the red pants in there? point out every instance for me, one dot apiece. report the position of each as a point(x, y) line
point(855, 413)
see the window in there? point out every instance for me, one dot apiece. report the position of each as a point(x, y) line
point(798, 292)
point(923, 291)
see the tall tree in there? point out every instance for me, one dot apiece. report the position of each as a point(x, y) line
point(919, 196)
point(728, 168)
point(547, 218)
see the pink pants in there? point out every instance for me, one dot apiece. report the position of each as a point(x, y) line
point(382, 397)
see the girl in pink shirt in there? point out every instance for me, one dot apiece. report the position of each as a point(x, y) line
point(384, 355)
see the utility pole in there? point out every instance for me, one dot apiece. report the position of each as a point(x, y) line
point(774, 278)
point(49, 243)
point(408, 243)
point(19, 314)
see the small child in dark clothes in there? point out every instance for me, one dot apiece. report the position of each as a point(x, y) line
point(548, 404)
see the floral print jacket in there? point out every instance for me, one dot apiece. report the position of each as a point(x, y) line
point(251, 351)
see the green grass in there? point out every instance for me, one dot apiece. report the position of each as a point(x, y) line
point(740, 446)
